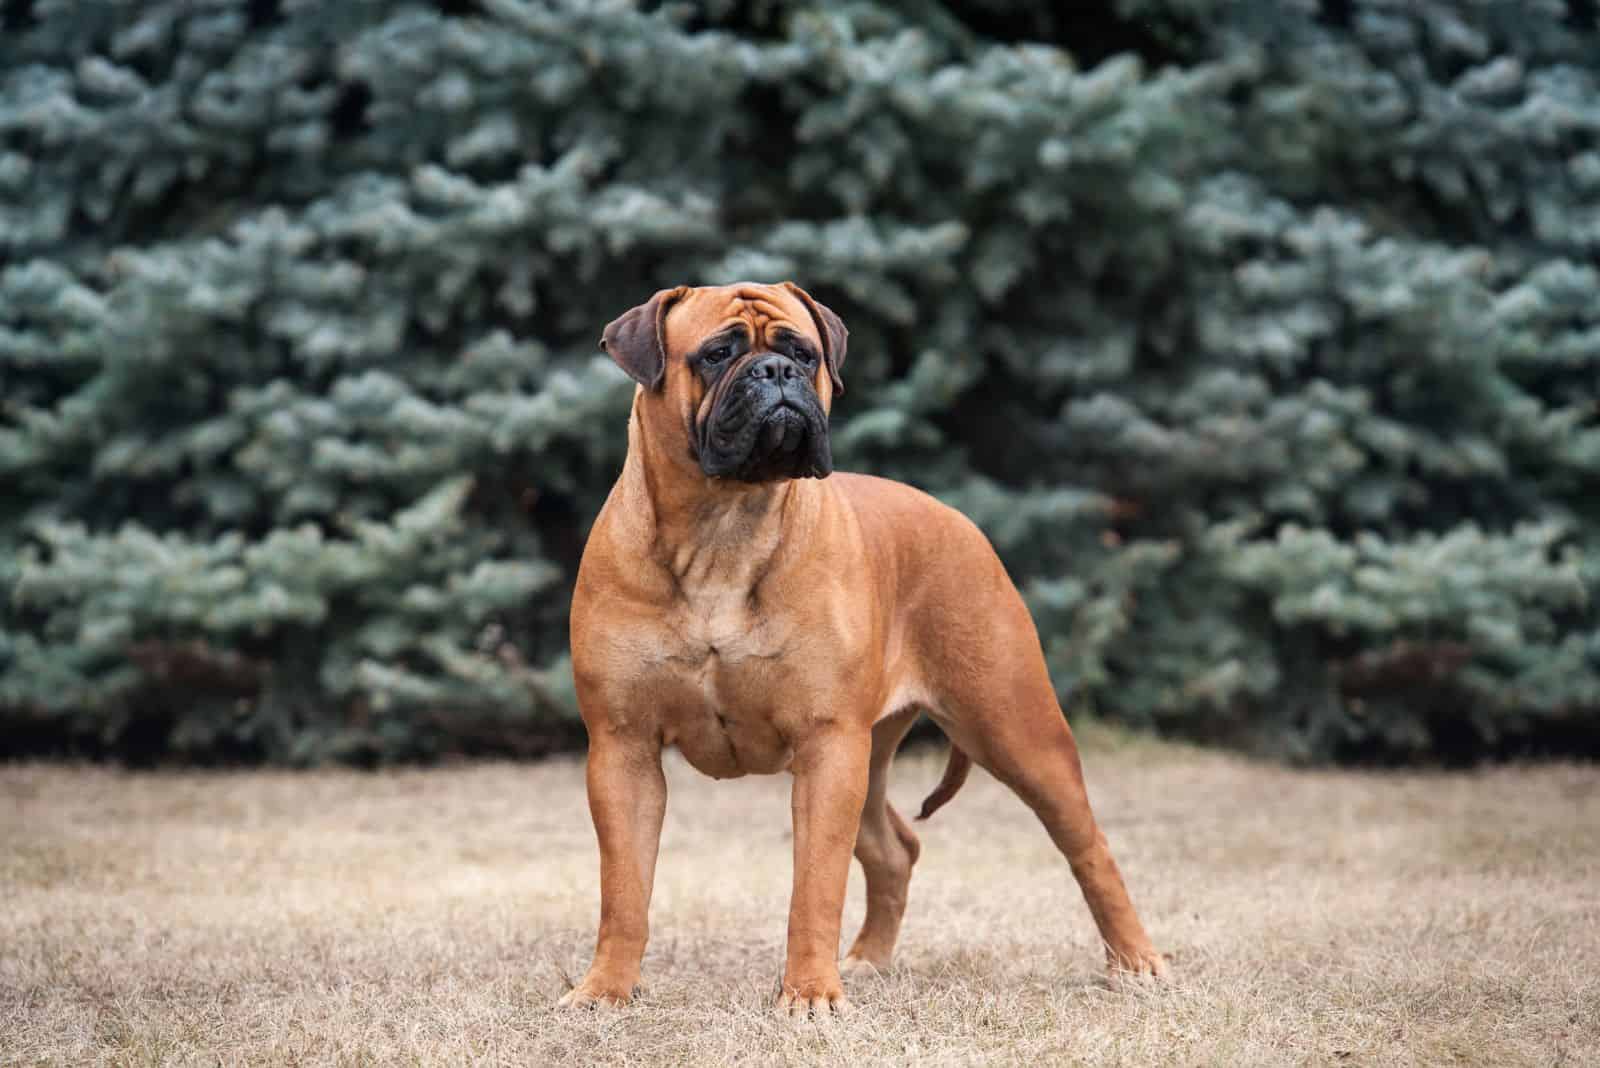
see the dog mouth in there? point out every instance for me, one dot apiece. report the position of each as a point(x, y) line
point(784, 430)
point(759, 432)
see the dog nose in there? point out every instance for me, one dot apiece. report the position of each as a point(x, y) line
point(775, 367)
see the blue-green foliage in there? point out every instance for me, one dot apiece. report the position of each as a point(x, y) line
point(1263, 340)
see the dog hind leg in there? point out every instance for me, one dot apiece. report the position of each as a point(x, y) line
point(887, 849)
point(1024, 741)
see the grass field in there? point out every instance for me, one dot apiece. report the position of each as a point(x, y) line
point(436, 915)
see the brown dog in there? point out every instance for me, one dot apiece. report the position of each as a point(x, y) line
point(737, 602)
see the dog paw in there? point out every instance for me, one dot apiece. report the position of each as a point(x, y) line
point(1141, 963)
point(597, 993)
point(817, 1000)
point(854, 967)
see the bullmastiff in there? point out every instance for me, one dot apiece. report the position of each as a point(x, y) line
point(740, 600)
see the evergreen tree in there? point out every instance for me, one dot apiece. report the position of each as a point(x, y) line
point(1262, 339)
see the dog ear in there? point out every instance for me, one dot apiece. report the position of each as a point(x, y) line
point(835, 338)
point(637, 339)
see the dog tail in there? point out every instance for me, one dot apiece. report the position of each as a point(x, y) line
point(955, 774)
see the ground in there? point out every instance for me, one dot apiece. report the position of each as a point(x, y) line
point(436, 916)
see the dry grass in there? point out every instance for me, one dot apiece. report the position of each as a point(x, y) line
point(430, 916)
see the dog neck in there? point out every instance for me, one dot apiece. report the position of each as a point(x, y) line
point(697, 525)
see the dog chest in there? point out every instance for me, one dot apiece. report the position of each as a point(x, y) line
point(713, 683)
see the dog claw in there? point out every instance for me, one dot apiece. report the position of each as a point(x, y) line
point(818, 1008)
point(583, 996)
point(1146, 964)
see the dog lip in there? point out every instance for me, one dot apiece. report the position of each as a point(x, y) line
point(762, 429)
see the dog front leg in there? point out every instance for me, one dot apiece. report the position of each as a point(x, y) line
point(830, 784)
point(627, 800)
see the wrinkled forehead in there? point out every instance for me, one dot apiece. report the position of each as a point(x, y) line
point(761, 310)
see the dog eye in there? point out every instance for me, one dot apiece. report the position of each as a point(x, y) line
point(718, 354)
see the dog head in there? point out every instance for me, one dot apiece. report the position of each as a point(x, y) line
point(742, 377)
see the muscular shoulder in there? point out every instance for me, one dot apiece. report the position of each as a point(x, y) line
point(880, 500)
